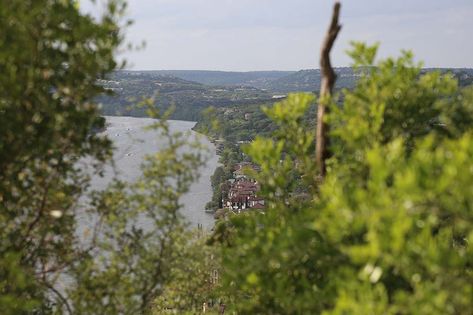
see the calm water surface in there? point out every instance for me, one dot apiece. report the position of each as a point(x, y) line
point(133, 142)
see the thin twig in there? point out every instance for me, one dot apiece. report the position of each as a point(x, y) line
point(60, 296)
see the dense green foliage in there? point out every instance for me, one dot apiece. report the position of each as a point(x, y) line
point(50, 58)
point(236, 123)
point(389, 230)
point(219, 187)
point(193, 277)
point(61, 249)
point(230, 154)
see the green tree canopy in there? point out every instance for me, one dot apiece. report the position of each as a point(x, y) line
point(389, 231)
point(52, 58)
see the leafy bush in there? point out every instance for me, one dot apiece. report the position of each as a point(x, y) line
point(57, 254)
point(389, 229)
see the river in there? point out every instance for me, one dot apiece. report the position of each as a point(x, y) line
point(132, 142)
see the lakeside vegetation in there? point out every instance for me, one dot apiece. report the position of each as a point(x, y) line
point(389, 230)
point(231, 128)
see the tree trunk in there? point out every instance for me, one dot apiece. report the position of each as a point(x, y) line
point(326, 87)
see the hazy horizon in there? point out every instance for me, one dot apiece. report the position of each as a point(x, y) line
point(274, 70)
point(266, 35)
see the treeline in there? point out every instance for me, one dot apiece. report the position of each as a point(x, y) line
point(188, 99)
point(230, 155)
point(243, 123)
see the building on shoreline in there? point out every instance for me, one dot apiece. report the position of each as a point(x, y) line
point(243, 192)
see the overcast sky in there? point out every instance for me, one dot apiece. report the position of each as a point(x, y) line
point(244, 35)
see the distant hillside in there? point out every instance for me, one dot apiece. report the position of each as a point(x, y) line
point(272, 81)
point(228, 89)
point(464, 75)
point(309, 81)
point(190, 98)
point(252, 78)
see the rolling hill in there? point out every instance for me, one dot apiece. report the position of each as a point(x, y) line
point(193, 91)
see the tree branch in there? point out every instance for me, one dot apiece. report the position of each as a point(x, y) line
point(326, 87)
point(60, 296)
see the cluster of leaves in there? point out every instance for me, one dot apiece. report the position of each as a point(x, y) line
point(193, 277)
point(50, 58)
point(62, 251)
point(389, 230)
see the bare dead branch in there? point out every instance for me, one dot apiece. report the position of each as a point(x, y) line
point(326, 88)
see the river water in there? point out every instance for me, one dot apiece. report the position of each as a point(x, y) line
point(132, 142)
